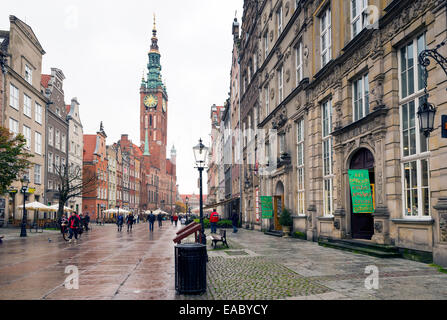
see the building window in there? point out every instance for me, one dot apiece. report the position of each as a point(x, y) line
point(359, 16)
point(37, 174)
point(414, 146)
point(13, 96)
point(27, 135)
point(38, 114)
point(299, 63)
point(57, 142)
point(63, 142)
point(280, 85)
point(327, 158)
point(14, 126)
point(50, 136)
point(360, 96)
point(266, 96)
point(325, 36)
point(50, 162)
point(27, 106)
point(300, 166)
point(28, 74)
point(38, 143)
point(266, 45)
point(279, 20)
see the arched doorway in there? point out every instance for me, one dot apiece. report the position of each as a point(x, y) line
point(278, 205)
point(362, 224)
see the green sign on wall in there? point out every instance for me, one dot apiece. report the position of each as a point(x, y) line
point(362, 201)
point(267, 207)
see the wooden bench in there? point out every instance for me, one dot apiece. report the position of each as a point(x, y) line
point(222, 237)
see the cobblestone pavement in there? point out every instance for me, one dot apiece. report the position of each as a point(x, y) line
point(139, 266)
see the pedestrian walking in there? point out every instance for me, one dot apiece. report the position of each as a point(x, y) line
point(86, 221)
point(129, 221)
point(214, 218)
point(138, 219)
point(74, 222)
point(120, 222)
point(172, 219)
point(235, 220)
point(175, 218)
point(63, 222)
point(151, 219)
point(160, 220)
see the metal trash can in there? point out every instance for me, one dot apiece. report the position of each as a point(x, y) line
point(190, 268)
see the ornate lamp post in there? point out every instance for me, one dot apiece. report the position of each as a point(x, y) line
point(25, 183)
point(200, 154)
point(427, 110)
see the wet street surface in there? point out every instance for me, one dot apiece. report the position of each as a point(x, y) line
point(139, 265)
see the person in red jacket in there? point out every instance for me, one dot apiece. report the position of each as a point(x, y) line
point(175, 218)
point(74, 222)
point(214, 219)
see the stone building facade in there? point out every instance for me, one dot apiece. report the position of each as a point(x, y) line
point(57, 134)
point(75, 146)
point(339, 86)
point(94, 200)
point(24, 109)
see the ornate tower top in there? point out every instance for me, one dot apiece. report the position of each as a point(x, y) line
point(154, 79)
point(154, 45)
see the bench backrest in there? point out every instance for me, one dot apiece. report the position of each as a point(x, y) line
point(186, 233)
point(189, 226)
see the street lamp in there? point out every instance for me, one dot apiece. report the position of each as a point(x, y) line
point(427, 110)
point(200, 153)
point(25, 183)
point(426, 114)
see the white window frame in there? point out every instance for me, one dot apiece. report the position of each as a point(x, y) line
point(37, 174)
point(266, 44)
point(325, 20)
point(327, 143)
point(50, 136)
point(38, 143)
point(300, 169)
point(413, 100)
point(14, 126)
point(27, 135)
point(279, 19)
point(50, 162)
point(299, 63)
point(57, 139)
point(63, 142)
point(280, 84)
point(28, 74)
point(361, 83)
point(13, 96)
point(38, 113)
point(27, 108)
point(359, 16)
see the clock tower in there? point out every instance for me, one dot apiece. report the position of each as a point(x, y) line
point(153, 108)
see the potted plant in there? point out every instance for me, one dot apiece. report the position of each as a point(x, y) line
point(286, 222)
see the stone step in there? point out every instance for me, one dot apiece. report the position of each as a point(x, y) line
point(367, 244)
point(273, 233)
point(375, 252)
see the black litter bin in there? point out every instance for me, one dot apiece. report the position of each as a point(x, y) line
point(190, 268)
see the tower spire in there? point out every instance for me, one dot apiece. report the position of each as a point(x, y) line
point(154, 45)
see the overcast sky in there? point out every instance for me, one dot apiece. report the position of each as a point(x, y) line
point(102, 46)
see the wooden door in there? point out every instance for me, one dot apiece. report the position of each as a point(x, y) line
point(278, 205)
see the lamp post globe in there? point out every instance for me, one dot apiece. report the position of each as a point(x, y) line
point(25, 183)
point(200, 154)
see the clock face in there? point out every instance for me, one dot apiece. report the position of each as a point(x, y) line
point(150, 101)
point(164, 105)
